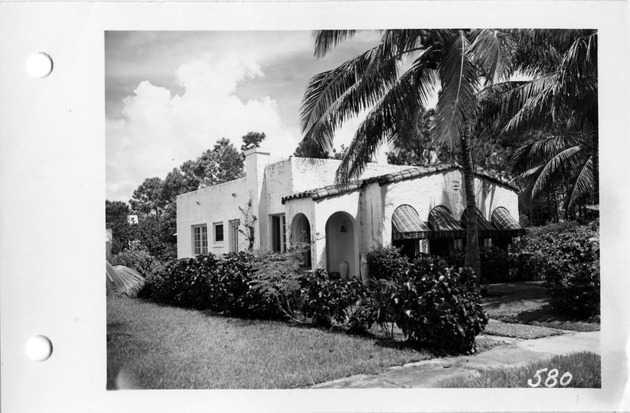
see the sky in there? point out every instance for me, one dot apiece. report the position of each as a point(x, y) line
point(171, 95)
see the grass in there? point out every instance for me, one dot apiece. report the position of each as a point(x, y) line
point(159, 347)
point(585, 367)
point(528, 303)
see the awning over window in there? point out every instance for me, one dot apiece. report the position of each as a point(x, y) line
point(443, 224)
point(505, 223)
point(486, 229)
point(406, 224)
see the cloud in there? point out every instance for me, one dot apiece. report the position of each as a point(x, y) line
point(160, 130)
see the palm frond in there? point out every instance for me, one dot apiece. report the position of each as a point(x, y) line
point(385, 121)
point(325, 40)
point(122, 280)
point(457, 100)
point(539, 151)
point(582, 185)
point(556, 167)
point(334, 96)
point(577, 76)
point(492, 51)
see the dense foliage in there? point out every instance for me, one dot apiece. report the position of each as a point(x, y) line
point(439, 306)
point(572, 274)
point(386, 263)
point(434, 305)
point(138, 258)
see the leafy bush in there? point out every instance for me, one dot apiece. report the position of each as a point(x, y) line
point(276, 280)
point(386, 263)
point(331, 302)
point(439, 306)
point(138, 258)
point(573, 275)
point(183, 282)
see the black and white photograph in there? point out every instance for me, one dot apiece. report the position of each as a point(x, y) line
point(314, 206)
point(403, 208)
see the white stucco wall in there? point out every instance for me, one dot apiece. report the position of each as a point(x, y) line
point(426, 193)
point(207, 206)
point(308, 175)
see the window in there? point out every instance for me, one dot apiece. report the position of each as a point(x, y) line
point(200, 239)
point(218, 232)
point(278, 233)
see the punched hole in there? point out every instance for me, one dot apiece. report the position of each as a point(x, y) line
point(39, 65)
point(38, 348)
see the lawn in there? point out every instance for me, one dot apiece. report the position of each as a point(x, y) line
point(151, 346)
point(584, 368)
point(528, 303)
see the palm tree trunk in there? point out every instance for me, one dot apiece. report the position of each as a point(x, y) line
point(472, 228)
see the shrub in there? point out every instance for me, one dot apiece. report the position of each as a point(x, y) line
point(183, 282)
point(573, 275)
point(439, 306)
point(276, 281)
point(331, 302)
point(138, 258)
point(386, 263)
point(228, 283)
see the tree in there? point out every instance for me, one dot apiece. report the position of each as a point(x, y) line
point(456, 59)
point(116, 213)
point(252, 140)
point(221, 164)
point(561, 99)
point(147, 198)
point(564, 159)
point(310, 149)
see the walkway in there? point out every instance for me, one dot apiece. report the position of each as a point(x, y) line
point(515, 353)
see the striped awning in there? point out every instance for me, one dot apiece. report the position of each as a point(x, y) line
point(485, 227)
point(505, 223)
point(443, 224)
point(406, 224)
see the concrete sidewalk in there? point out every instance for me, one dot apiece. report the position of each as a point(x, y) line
point(516, 352)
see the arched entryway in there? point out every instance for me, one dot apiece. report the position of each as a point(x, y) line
point(340, 245)
point(301, 236)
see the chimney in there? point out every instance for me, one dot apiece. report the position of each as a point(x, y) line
point(255, 162)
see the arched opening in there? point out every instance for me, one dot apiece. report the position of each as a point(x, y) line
point(301, 237)
point(340, 250)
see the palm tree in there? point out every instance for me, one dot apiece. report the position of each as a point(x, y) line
point(552, 159)
point(454, 60)
point(562, 99)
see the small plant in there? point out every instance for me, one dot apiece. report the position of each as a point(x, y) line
point(249, 221)
point(276, 279)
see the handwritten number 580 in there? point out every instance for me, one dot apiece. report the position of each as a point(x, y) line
point(551, 380)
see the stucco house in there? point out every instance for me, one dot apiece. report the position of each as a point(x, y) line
point(420, 209)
